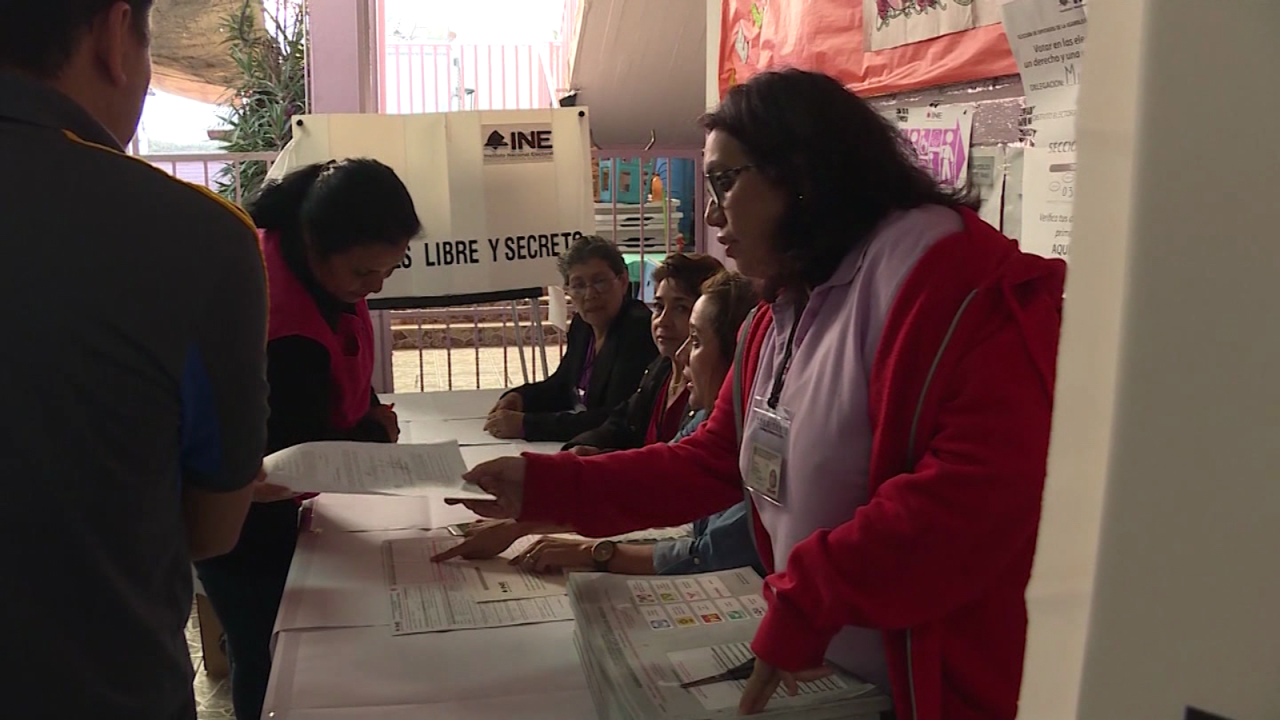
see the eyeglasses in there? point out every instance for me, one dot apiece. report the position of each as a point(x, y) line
point(601, 286)
point(720, 182)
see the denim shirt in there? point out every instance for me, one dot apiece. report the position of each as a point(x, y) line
point(719, 542)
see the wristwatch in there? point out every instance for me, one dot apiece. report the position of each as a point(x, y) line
point(603, 552)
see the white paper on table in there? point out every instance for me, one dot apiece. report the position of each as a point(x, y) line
point(700, 663)
point(408, 562)
point(432, 597)
point(464, 431)
point(371, 469)
point(1047, 38)
point(436, 608)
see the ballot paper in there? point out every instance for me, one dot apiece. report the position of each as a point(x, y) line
point(436, 597)
point(372, 469)
point(699, 663)
point(639, 638)
point(408, 562)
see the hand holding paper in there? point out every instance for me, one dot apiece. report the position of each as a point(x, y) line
point(503, 481)
point(372, 469)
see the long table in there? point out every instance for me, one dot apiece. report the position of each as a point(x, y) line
point(335, 657)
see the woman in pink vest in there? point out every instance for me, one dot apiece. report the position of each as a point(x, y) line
point(331, 234)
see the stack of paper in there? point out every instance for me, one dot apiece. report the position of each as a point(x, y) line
point(641, 637)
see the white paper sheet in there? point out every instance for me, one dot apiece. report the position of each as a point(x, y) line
point(451, 405)
point(371, 469)
point(1048, 201)
point(490, 580)
point(433, 597)
point(700, 663)
point(1048, 38)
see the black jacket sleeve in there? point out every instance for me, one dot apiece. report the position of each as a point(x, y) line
point(629, 422)
point(556, 393)
point(300, 396)
point(619, 366)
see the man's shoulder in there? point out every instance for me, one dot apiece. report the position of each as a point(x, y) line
point(171, 199)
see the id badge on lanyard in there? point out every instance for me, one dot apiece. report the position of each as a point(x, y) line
point(768, 433)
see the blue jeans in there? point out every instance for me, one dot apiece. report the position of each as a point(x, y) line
point(245, 587)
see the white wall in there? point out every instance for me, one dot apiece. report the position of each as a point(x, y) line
point(1169, 395)
point(1088, 357)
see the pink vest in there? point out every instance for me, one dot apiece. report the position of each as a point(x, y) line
point(294, 312)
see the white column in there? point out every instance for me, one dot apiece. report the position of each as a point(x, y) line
point(1167, 427)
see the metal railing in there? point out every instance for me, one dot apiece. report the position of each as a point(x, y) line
point(422, 78)
point(211, 170)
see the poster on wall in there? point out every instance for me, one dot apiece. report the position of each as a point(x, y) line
point(500, 193)
point(830, 36)
point(894, 23)
point(1047, 38)
point(986, 176)
point(940, 136)
point(1048, 201)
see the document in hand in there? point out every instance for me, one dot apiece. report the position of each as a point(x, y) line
point(641, 637)
point(372, 469)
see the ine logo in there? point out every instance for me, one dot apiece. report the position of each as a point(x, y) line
point(518, 144)
point(496, 140)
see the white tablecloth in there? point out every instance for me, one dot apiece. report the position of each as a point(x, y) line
point(335, 657)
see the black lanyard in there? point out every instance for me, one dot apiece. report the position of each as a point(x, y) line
point(780, 377)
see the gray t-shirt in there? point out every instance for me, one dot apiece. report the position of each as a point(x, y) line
point(132, 365)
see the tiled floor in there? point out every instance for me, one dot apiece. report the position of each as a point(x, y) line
point(213, 696)
point(488, 368)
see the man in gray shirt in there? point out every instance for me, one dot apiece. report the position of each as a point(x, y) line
point(132, 375)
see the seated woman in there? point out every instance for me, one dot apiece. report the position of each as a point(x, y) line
point(656, 411)
point(331, 234)
point(609, 347)
point(721, 541)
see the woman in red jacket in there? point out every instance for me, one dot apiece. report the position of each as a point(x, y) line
point(888, 413)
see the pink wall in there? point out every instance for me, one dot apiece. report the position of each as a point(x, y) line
point(336, 58)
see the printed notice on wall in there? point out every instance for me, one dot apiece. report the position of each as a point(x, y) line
point(1048, 200)
point(940, 136)
point(1047, 38)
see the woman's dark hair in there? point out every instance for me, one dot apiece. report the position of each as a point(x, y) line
point(588, 248)
point(847, 167)
point(688, 271)
point(336, 206)
point(732, 295)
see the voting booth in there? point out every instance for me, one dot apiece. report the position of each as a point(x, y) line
point(501, 195)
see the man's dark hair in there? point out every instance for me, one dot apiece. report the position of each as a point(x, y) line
point(588, 248)
point(337, 206)
point(39, 36)
point(846, 167)
point(688, 271)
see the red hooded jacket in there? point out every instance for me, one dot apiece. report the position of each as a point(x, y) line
point(939, 558)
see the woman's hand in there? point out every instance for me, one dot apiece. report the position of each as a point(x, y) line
point(484, 540)
point(505, 424)
point(764, 682)
point(511, 401)
point(385, 415)
point(504, 480)
point(548, 555)
point(265, 492)
point(587, 451)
